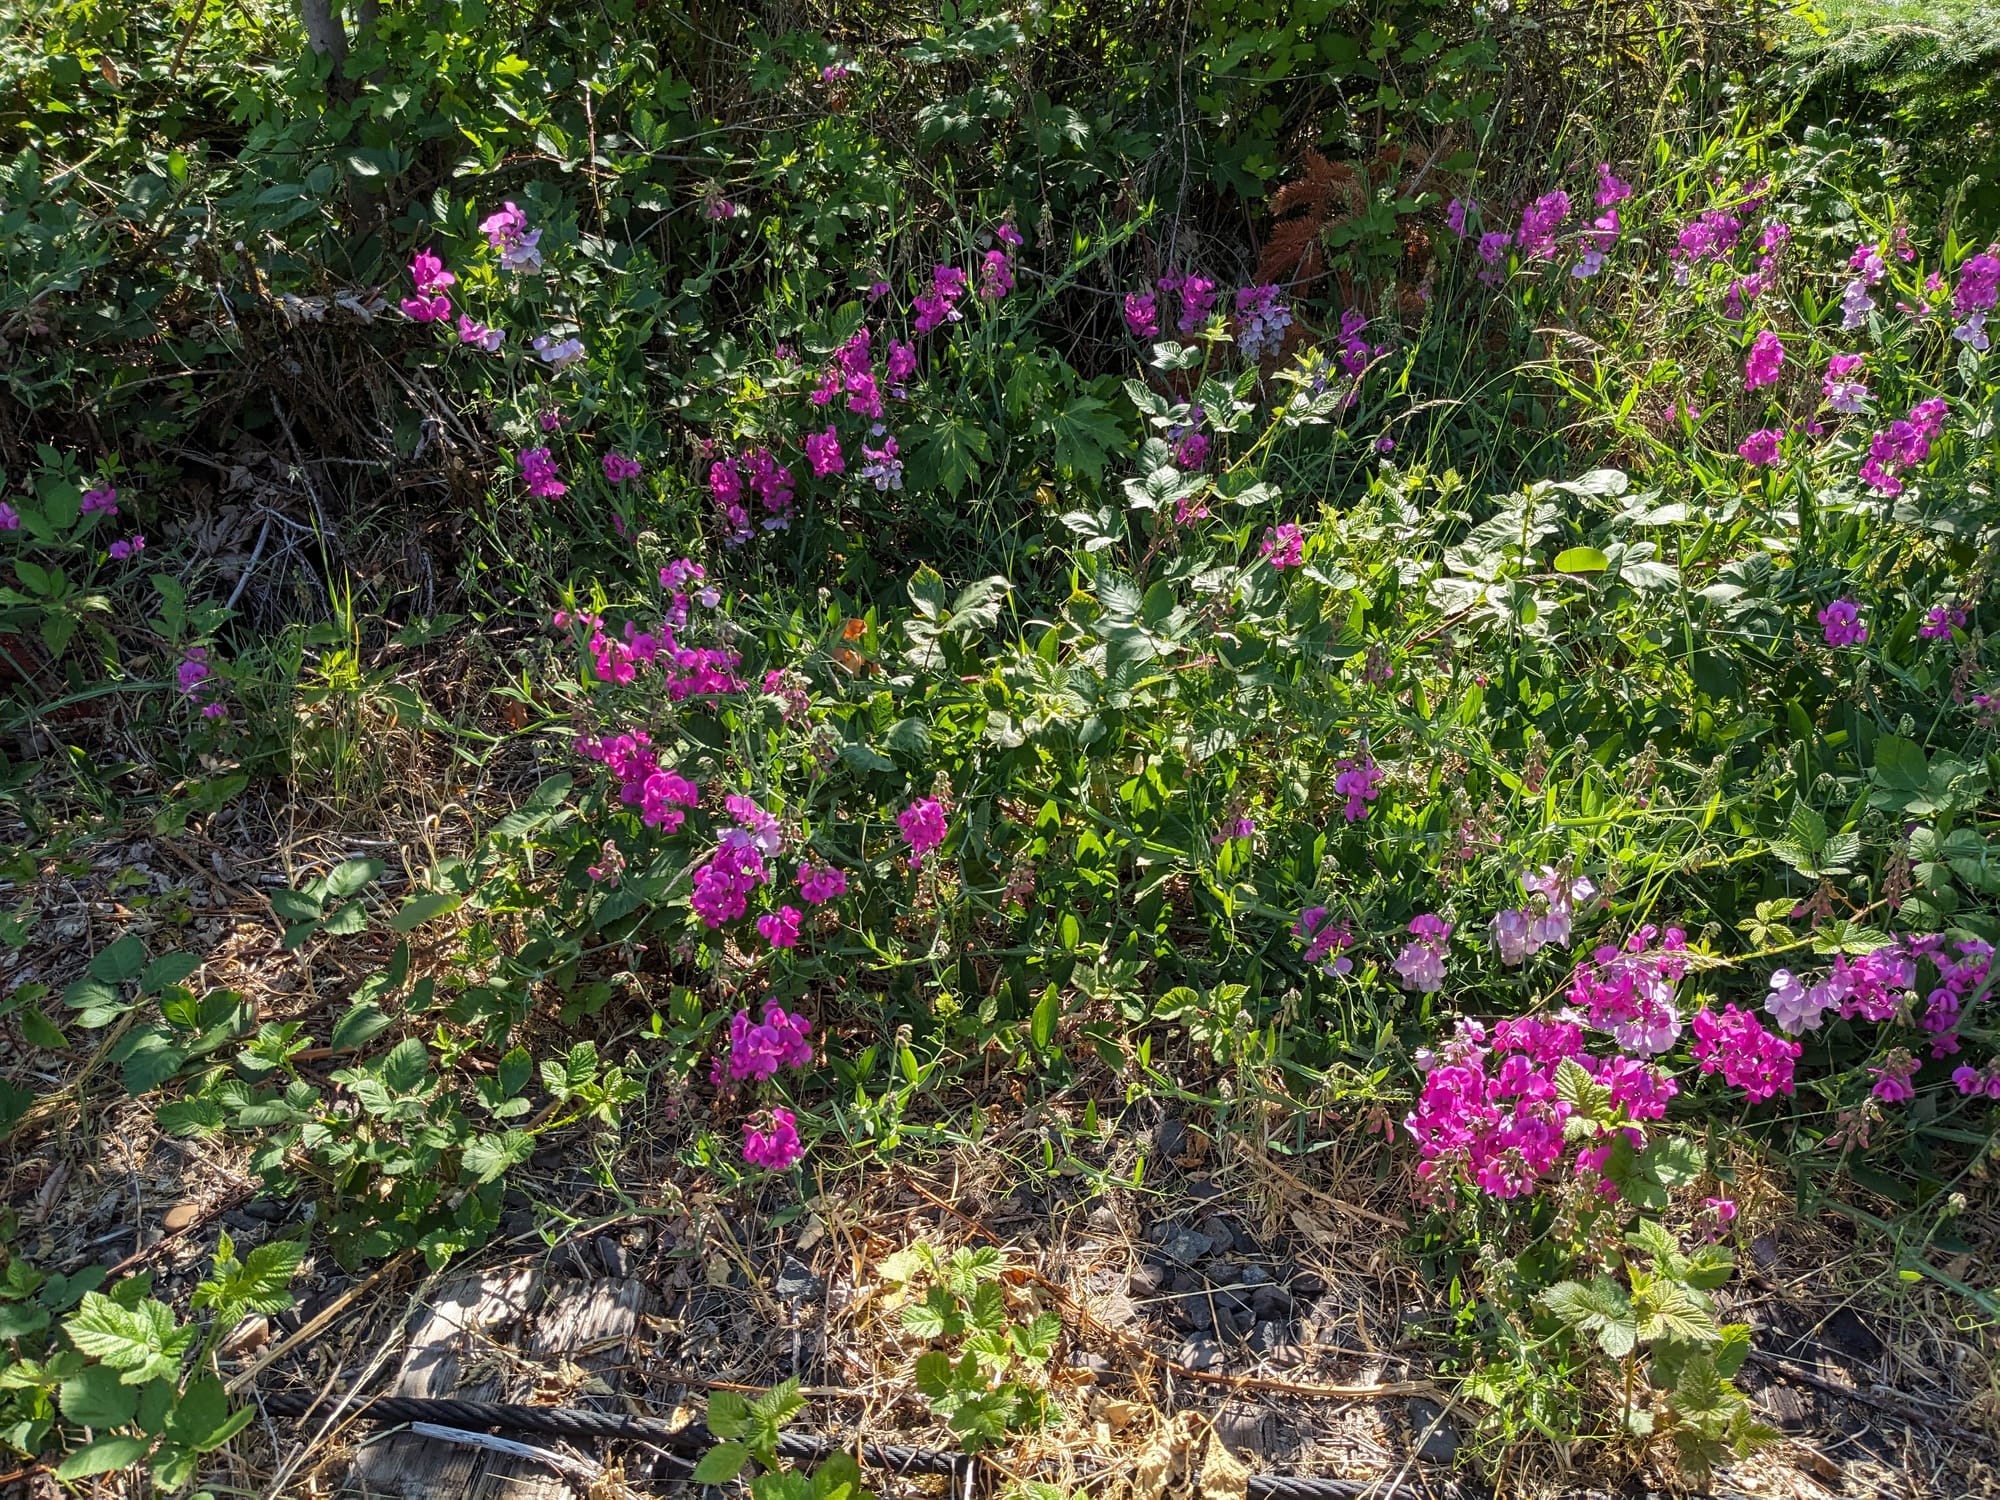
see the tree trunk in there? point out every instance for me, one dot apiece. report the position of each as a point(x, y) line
point(327, 37)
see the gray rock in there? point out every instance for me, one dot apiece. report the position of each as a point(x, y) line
point(1196, 1312)
point(1245, 1428)
point(796, 1282)
point(1219, 1231)
point(1255, 1275)
point(1104, 1219)
point(1433, 1431)
point(1271, 1301)
point(265, 1210)
point(1200, 1353)
point(1308, 1284)
point(1179, 1243)
point(1169, 1137)
point(1084, 1359)
point(1145, 1280)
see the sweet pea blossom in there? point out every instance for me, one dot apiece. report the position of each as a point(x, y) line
point(1844, 390)
point(819, 884)
point(1855, 306)
point(1978, 284)
point(1283, 546)
point(1761, 447)
point(884, 468)
point(1767, 353)
point(471, 331)
point(1536, 238)
point(618, 468)
point(1420, 966)
point(1454, 215)
point(1197, 298)
point(996, 275)
point(538, 472)
point(1841, 623)
point(1892, 1077)
point(558, 354)
point(923, 824)
point(10, 518)
point(1941, 621)
point(781, 928)
point(1142, 314)
point(772, 1141)
point(1261, 320)
point(101, 501)
point(1360, 782)
point(823, 452)
point(939, 305)
point(508, 236)
point(757, 1049)
point(431, 278)
point(1324, 940)
point(1748, 1057)
point(127, 547)
point(1610, 188)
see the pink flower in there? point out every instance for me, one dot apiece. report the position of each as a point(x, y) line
point(781, 928)
point(193, 670)
point(1748, 1056)
point(10, 518)
point(772, 1141)
point(1539, 221)
point(1724, 1209)
point(923, 824)
point(121, 550)
point(1385, 444)
point(1761, 447)
point(819, 884)
point(1767, 353)
point(1841, 623)
point(508, 236)
point(551, 421)
point(538, 471)
point(940, 304)
point(823, 452)
point(1197, 298)
point(1493, 246)
point(1261, 320)
point(996, 275)
point(884, 468)
point(1324, 940)
point(833, 72)
point(1007, 234)
point(1892, 1078)
point(427, 309)
point(558, 354)
point(1610, 189)
point(1630, 993)
point(618, 468)
point(901, 364)
point(1941, 621)
point(429, 274)
point(1842, 393)
point(1454, 215)
point(1978, 284)
point(1360, 782)
point(1283, 546)
point(478, 334)
point(1420, 966)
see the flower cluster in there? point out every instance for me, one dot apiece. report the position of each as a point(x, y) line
point(618, 468)
point(432, 302)
point(1360, 782)
point(196, 680)
point(1841, 624)
point(780, 928)
point(939, 305)
point(757, 1049)
point(1902, 446)
point(1630, 994)
point(1324, 940)
point(1523, 931)
point(509, 237)
point(1261, 320)
point(772, 1141)
point(1767, 354)
point(661, 795)
point(1749, 1057)
point(923, 823)
point(758, 473)
point(1197, 298)
point(1420, 966)
point(1845, 392)
point(1283, 546)
point(538, 472)
point(1870, 987)
point(819, 884)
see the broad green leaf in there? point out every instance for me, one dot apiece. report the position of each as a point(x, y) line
point(420, 909)
point(96, 1397)
point(1581, 560)
point(722, 1463)
point(120, 962)
point(105, 1456)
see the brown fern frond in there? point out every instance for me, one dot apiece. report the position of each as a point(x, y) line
point(1329, 192)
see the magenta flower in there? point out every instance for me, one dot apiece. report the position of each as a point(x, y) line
point(618, 468)
point(772, 1141)
point(508, 236)
point(823, 452)
point(1142, 314)
point(1748, 1057)
point(550, 421)
point(884, 468)
point(1360, 782)
point(901, 364)
point(834, 72)
point(1941, 621)
point(1007, 234)
point(476, 333)
point(1539, 221)
point(1283, 546)
point(1767, 353)
point(1493, 246)
point(819, 884)
point(1385, 444)
point(127, 548)
point(781, 928)
point(1324, 940)
point(1978, 284)
point(10, 518)
point(1197, 298)
point(923, 824)
point(939, 305)
point(1892, 1078)
point(1761, 447)
point(538, 472)
point(1844, 394)
point(101, 501)
point(1454, 215)
point(427, 309)
point(1841, 622)
point(429, 274)
point(1610, 189)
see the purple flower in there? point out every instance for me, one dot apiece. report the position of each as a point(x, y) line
point(1360, 782)
point(1841, 623)
point(1610, 189)
point(901, 364)
point(558, 354)
point(508, 236)
point(1420, 966)
point(1454, 215)
point(940, 304)
point(10, 518)
point(1978, 284)
point(1324, 940)
point(1007, 234)
point(1142, 314)
point(429, 274)
point(1748, 1057)
point(781, 928)
point(1892, 1078)
point(823, 452)
point(819, 884)
point(427, 309)
point(1539, 220)
point(1197, 297)
point(1843, 394)
point(1767, 353)
point(772, 1141)
point(538, 471)
point(1385, 444)
point(1941, 621)
point(1283, 546)
point(1761, 447)
point(1493, 246)
point(1261, 320)
point(1855, 306)
point(101, 501)
point(833, 72)
point(923, 824)
point(471, 332)
point(127, 548)
point(996, 275)
point(884, 468)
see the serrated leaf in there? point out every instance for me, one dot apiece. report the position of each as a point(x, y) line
point(1599, 1310)
point(120, 962)
point(352, 876)
point(721, 1463)
point(167, 969)
point(359, 1026)
point(96, 1397)
point(405, 1068)
point(491, 1156)
point(142, 1343)
point(105, 1456)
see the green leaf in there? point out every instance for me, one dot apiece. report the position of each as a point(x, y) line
point(19, 1319)
point(39, 1031)
point(104, 1456)
point(120, 962)
point(96, 1397)
point(1600, 1310)
point(490, 1157)
point(1900, 765)
point(1581, 560)
point(167, 969)
point(403, 1071)
point(728, 1413)
point(296, 906)
point(363, 1022)
point(351, 877)
point(933, 1374)
point(202, 1419)
point(1085, 430)
point(420, 909)
point(721, 1463)
point(142, 1342)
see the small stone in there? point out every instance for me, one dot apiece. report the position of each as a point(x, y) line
point(1433, 1430)
point(264, 1210)
point(181, 1216)
point(1308, 1284)
point(1169, 1137)
point(1179, 1243)
point(517, 1223)
point(796, 1282)
point(1201, 1189)
point(1764, 1251)
point(1090, 1363)
point(1104, 1219)
point(1244, 1428)
point(1234, 1321)
point(1196, 1312)
point(1220, 1234)
point(1255, 1275)
point(1271, 1302)
point(1145, 1279)
point(252, 1334)
point(1200, 1353)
